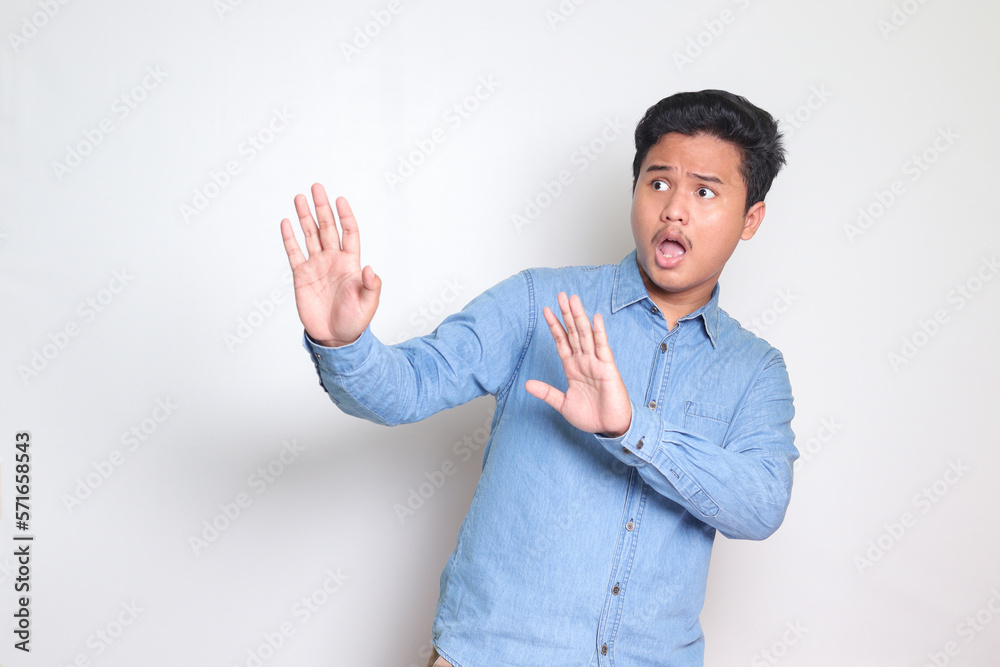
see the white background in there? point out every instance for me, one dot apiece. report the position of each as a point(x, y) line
point(866, 569)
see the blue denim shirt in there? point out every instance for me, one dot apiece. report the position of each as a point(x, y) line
point(577, 549)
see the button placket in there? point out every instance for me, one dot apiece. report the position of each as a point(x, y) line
point(624, 558)
point(635, 502)
point(607, 627)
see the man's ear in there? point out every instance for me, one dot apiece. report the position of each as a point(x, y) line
point(752, 221)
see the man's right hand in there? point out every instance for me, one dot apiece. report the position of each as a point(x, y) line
point(335, 298)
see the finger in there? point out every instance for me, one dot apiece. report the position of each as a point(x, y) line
point(601, 346)
point(558, 334)
point(546, 392)
point(582, 323)
point(571, 334)
point(324, 214)
point(307, 224)
point(372, 287)
point(351, 241)
point(295, 256)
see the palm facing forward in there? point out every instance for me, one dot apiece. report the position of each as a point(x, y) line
point(335, 298)
point(596, 400)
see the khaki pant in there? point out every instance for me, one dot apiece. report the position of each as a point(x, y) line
point(437, 661)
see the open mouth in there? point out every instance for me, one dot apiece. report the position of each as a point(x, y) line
point(670, 248)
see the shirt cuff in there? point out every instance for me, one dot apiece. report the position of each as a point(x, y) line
point(649, 439)
point(339, 360)
point(343, 359)
point(638, 444)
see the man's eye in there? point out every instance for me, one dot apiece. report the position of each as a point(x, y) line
point(705, 193)
point(660, 185)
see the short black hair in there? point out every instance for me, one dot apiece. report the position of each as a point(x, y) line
point(723, 115)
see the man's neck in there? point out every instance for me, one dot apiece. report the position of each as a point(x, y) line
point(675, 305)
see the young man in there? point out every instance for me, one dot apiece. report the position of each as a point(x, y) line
point(588, 539)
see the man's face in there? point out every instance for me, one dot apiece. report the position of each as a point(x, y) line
point(688, 214)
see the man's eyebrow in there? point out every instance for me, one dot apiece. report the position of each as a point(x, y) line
point(700, 177)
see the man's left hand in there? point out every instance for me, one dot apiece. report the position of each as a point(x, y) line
point(595, 400)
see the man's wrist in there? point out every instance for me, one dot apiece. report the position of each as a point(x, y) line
point(347, 358)
point(329, 343)
point(614, 434)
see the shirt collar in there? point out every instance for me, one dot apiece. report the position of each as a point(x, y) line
point(629, 289)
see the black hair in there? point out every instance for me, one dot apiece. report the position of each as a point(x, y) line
point(723, 115)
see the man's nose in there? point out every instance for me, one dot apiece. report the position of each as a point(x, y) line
point(675, 209)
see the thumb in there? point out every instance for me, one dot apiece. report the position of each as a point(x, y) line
point(546, 392)
point(372, 285)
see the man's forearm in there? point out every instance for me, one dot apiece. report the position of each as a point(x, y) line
point(740, 487)
point(471, 353)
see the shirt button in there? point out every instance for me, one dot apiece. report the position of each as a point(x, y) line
point(663, 347)
point(616, 590)
point(630, 525)
point(638, 445)
point(652, 405)
point(604, 649)
point(317, 355)
point(655, 310)
point(625, 450)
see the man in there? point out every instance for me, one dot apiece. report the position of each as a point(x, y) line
point(588, 539)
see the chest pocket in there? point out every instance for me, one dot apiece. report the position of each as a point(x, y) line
point(708, 420)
